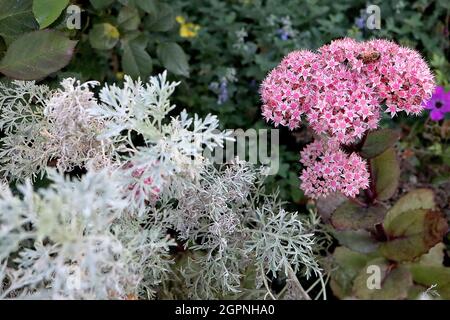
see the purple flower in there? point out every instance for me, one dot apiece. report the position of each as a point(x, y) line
point(223, 92)
point(221, 89)
point(360, 22)
point(283, 34)
point(439, 104)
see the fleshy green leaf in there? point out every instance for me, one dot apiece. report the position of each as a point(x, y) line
point(103, 36)
point(395, 282)
point(348, 265)
point(350, 215)
point(47, 11)
point(356, 240)
point(173, 58)
point(415, 199)
point(434, 257)
point(412, 227)
point(432, 275)
point(416, 291)
point(379, 141)
point(386, 173)
point(136, 62)
point(37, 54)
point(327, 205)
point(16, 18)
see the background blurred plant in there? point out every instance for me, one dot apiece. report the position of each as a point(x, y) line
point(115, 37)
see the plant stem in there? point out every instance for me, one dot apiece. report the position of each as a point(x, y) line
point(371, 193)
point(356, 147)
point(361, 143)
point(266, 284)
point(293, 277)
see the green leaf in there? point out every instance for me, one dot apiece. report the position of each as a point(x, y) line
point(16, 18)
point(434, 257)
point(446, 156)
point(412, 234)
point(37, 54)
point(350, 215)
point(385, 173)
point(149, 6)
point(101, 4)
point(173, 58)
point(103, 36)
point(444, 4)
point(47, 11)
point(127, 2)
point(2, 48)
point(395, 283)
point(440, 180)
point(432, 275)
point(416, 291)
point(415, 199)
point(136, 62)
point(327, 205)
point(359, 240)
point(128, 18)
point(348, 265)
point(379, 141)
point(162, 20)
point(412, 227)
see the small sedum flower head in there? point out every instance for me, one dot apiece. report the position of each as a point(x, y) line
point(329, 169)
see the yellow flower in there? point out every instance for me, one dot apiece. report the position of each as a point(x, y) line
point(180, 19)
point(112, 31)
point(187, 29)
point(119, 75)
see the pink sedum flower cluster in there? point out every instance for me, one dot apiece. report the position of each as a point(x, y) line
point(329, 169)
point(340, 90)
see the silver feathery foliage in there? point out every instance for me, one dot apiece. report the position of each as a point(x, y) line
point(106, 235)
